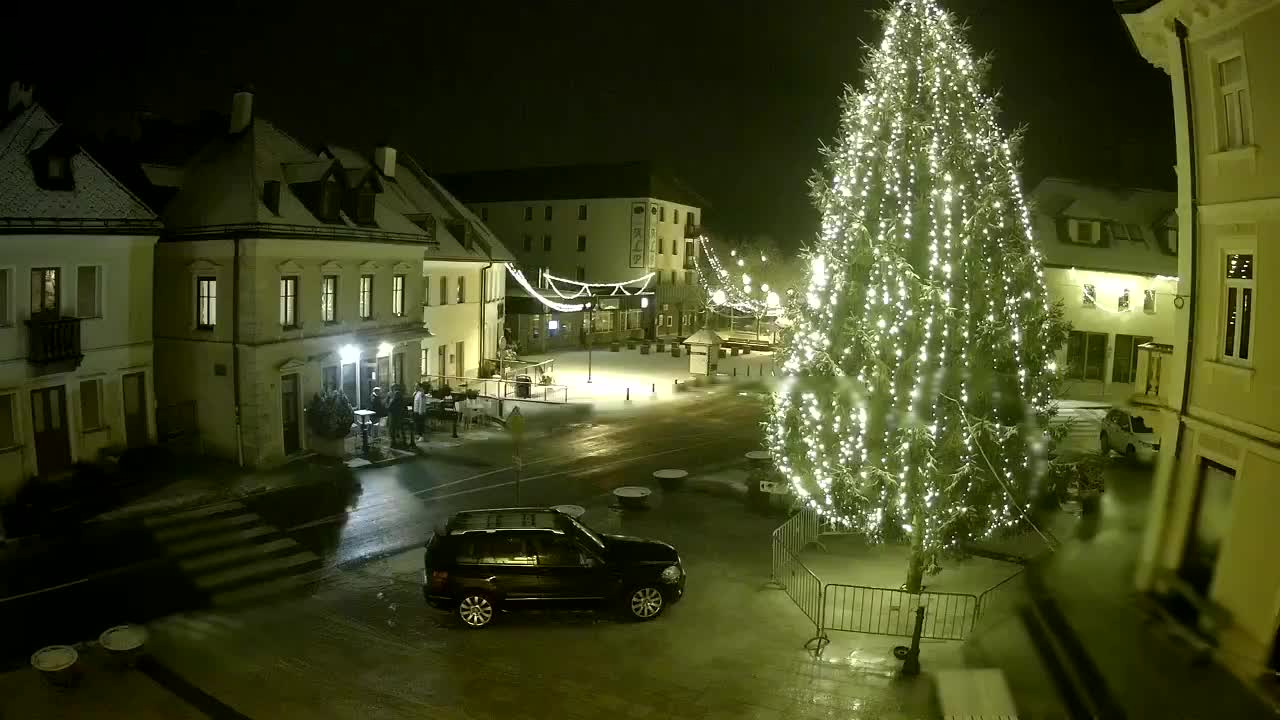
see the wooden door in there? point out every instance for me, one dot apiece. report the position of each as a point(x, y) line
point(289, 414)
point(49, 426)
point(441, 366)
point(397, 369)
point(135, 409)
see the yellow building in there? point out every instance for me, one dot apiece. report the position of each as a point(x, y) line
point(286, 269)
point(75, 303)
point(1213, 540)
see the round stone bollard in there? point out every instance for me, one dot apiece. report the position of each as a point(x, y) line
point(661, 346)
point(123, 644)
point(675, 350)
point(58, 664)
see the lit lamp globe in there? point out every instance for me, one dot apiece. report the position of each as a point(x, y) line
point(772, 300)
point(764, 288)
point(718, 297)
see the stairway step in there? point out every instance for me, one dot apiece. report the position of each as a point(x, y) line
point(159, 521)
point(203, 526)
point(214, 542)
point(266, 566)
point(259, 591)
point(238, 552)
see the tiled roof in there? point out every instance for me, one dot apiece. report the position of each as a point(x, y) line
point(1055, 200)
point(571, 182)
point(97, 195)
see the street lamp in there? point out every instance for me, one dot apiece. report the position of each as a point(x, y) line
point(591, 327)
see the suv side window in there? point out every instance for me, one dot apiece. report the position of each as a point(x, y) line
point(557, 550)
point(494, 549)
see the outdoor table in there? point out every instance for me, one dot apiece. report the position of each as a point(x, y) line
point(364, 418)
point(632, 497)
point(670, 478)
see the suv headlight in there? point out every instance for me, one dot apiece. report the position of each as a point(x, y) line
point(671, 573)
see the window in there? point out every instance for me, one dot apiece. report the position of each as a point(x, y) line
point(556, 550)
point(528, 243)
point(397, 295)
point(8, 428)
point(669, 320)
point(688, 252)
point(422, 366)
point(1237, 325)
point(1086, 355)
point(426, 291)
point(661, 246)
point(675, 247)
point(329, 377)
point(366, 297)
point(329, 298)
point(444, 290)
point(582, 274)
point(1089, 297)
point(1085, 232)
point(582, 212)
point(88, 291)
point(662, 213)
point(484, 214)
point(582, 243)
point(1124, 364)
point(1210, 526)
point(462, 289)
point(675, 216)
point(289, 302)
point(45, 291)
point(1169, 241)
point(546, 243)
point(1119, 232)
point(1234, 112)
point(1148, 301)
point(206, 302)
point(90, 404)
point(546, 213)
point(330, 200)
point(1122, 303)
point(528, 212)
point(1135, 234)
point(6, 282)
point(692, 220)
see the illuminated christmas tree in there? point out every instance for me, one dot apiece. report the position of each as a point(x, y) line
point(920, 374)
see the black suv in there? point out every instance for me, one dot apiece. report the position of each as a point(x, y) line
point(486, 560)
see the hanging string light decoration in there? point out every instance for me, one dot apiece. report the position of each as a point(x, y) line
point(918, 364)
point(725, 293)
point(626, 288)
point(533, 293)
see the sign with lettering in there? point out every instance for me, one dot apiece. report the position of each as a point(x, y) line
point(637, 249)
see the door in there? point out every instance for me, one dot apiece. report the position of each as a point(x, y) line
point(1210, 521)
point(349, 382)
point(441, 367)
point(289, 413)
point(49, 426)
point(384, 373)
point(135, 409)
point(502, 563)
point(460, 360)
point(368, 381)
point(398, 369)
point(567, 573)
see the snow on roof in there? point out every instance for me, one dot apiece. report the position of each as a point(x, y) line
point(1055, 201)
point(96, 194)
point(705, 336)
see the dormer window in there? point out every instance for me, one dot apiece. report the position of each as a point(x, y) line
point(51, 165)
point(59, 168)
point(330, 200)
point(364, 206)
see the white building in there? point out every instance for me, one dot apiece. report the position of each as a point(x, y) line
point(1111, 259)
point(75, 303)
point(599, 224)
point(1212, 538)
point(285, 269)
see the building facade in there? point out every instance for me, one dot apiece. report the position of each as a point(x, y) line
point(1212, 532)
point(76, 252)
point(1110, 258)
point(594, 224)
point(286, 269)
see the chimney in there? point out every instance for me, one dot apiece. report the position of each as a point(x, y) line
point(385, 159)
point(19, 96)
point(241, 111)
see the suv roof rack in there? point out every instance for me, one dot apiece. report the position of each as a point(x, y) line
point(525, 518)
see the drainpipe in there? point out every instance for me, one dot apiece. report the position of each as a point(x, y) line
point(1160, 521)
point(235, 347)
point(484, 306)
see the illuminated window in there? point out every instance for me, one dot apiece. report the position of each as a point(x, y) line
point(1090, 295)
point(1122, 304)
point(329, 298)
point(206, 302)
point(366, 296)
point(1148, 301)
point(1233, 104)
point(397, 295)
point(289, 302)
point(1237, 326)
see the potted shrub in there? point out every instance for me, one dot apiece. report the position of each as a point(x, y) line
point(472, 393)
point(442, 392)
point(329, 417)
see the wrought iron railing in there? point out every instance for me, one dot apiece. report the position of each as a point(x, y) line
point(53, 339)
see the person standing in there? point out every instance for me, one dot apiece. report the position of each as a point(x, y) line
point(420, 411)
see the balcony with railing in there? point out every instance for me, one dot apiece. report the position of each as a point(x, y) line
point(1150, 385)
point(692, 231)
point(53, 340)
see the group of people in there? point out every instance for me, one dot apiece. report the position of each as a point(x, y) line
point(399, 409)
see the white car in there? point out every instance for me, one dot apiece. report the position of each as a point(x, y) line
point(1129, 435)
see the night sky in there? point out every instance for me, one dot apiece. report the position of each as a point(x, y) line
point(733, 96)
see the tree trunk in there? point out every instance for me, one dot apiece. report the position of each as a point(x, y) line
point(915, 567)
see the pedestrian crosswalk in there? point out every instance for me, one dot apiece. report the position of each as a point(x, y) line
point(230, 554)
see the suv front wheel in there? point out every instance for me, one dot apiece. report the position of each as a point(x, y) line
point(475, 610)
point(645, 602)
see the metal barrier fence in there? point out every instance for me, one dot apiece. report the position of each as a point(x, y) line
point(881, 611)
point(801, 585)
point(797, 532)
point(999, 598)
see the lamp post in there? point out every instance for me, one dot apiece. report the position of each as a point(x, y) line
point(591, 327)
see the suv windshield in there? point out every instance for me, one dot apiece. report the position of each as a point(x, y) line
point(587, 533)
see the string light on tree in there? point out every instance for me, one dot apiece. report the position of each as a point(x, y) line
point(919, 356)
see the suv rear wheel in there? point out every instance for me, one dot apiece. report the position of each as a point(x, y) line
point(475, 610)
point(645, 602)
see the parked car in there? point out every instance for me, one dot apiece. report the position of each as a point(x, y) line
point(488, 561)
point(1129, 434)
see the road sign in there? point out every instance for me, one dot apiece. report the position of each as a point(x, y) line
point(515, 423)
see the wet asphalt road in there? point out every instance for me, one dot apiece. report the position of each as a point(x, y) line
point(116, 572)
